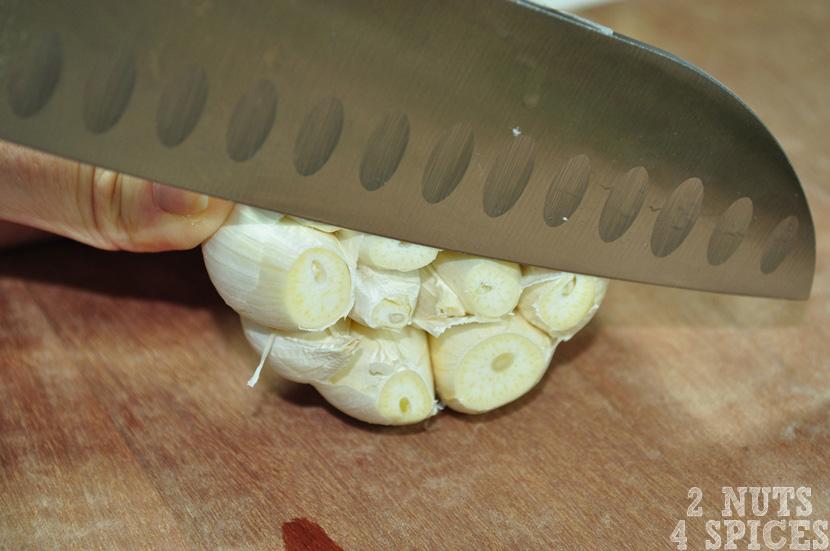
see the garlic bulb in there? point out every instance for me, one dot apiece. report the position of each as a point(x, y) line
point(386, 254)
point(562, 304)
point(481, 366)
point(379, 326)
point(384, 298)
point(279, 273)
point(487, 288)
point(389, 381)
point(303, 356)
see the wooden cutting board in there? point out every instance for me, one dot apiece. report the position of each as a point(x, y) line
point(125, 421)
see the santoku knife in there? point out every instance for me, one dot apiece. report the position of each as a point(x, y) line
point(486, 126)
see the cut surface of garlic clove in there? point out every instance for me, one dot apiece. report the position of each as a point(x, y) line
point(389, 381)
point(279, 273)
point(563, 305)
point(303, 356)
point(387, 254)
point(482, 366)
point(384, 298)
point(487, 288)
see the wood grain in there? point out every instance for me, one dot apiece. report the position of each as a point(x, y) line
point(125, 421)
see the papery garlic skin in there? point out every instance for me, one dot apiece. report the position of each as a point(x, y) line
point(487, 288)
point(438, 307)
point(482, 366)
point(350, 242)
point(279, 273)
point(321, 226)
point(303, 356)
point(562, 303)
point(243, 214)
point(384, 298)
point(389, 381)
point(386, 254)
point(531, 275)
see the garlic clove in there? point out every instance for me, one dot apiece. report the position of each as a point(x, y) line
point(389, 381)
point(302, 356)
point(384, 298)
point(438, 307)
point(387, 254)
point(279, 273)
point(487, 288)
point(482, 366)
point(563, 305)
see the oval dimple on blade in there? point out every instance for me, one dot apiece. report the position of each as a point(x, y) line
point(448, 162)
point(623, 204)
point(729, 231)
point(181, 105)
point(566, 190)
point(108, 91)
point(677, 217)
point(779, 244)
point(319, 136)
point(508, 176)
point(34, 75)
point(384, 151)
point(251, 121)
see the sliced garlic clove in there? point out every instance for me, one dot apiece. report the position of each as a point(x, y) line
point(279, 273)
point(482, 366)
point(303, 356)
point(487, 288)
point(389, 381)
point(322, 226)
point(387, 254)
point(563, 305)
point(384, 298)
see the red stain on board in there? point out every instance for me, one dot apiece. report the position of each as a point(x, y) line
point(302, 534)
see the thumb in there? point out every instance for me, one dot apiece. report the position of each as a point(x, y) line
point(101, 207)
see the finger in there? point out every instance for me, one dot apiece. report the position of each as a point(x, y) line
point(101, 207)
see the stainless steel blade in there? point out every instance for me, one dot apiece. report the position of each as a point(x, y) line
point(485, 126)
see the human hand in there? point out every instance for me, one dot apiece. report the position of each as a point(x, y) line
point(100, 207)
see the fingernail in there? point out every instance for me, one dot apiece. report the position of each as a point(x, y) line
point(178, 201)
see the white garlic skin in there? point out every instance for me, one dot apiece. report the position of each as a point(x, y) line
point(384, 298)
point(302, 356)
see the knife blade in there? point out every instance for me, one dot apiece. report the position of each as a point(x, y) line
point(491, 127)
